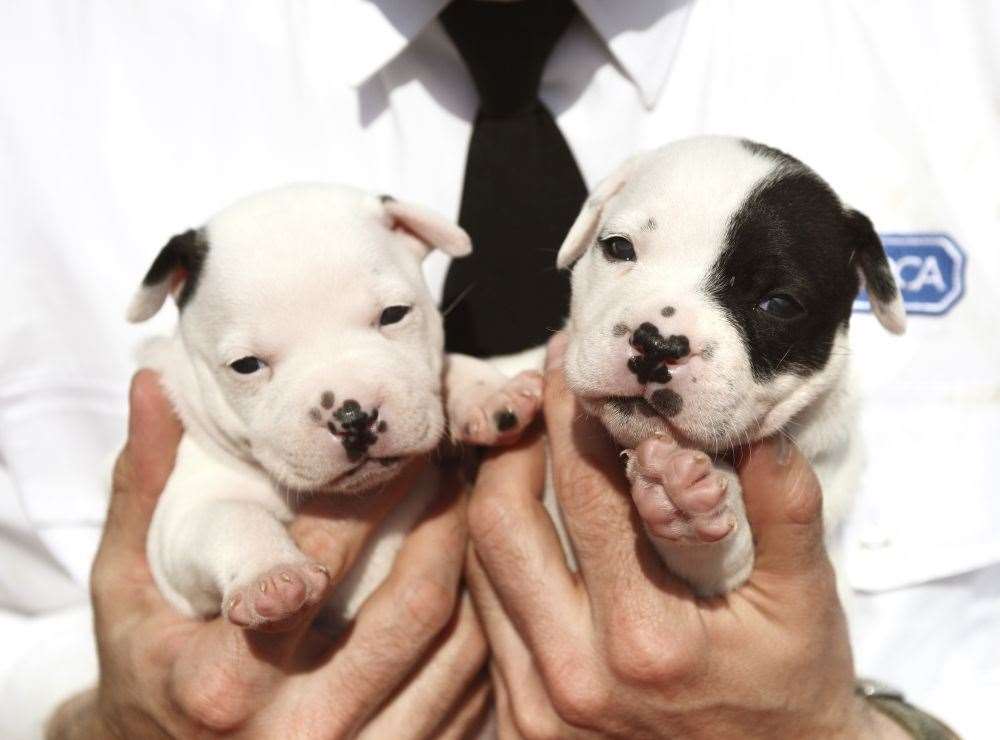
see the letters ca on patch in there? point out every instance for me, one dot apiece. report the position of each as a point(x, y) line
point(929, 269)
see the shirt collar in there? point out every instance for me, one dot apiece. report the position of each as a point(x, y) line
point(642, 35)
point(372, 33)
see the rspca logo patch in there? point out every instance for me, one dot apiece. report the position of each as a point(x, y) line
point(929, 270)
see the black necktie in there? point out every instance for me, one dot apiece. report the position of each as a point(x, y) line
point(522, 186)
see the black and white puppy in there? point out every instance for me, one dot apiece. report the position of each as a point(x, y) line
point(308, 360)
point(713, 281)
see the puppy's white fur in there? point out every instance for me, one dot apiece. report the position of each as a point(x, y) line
point(676, 204)
point(297, 277)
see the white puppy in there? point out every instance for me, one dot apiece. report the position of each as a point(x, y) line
point(308, 359)
point(713, 281)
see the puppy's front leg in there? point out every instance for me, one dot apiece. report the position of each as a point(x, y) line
point(486, 406)
point(693, 512)
point(218, 542)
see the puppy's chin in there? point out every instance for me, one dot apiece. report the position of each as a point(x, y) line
point(369, 474)
point(632, 420)
point(363, 476)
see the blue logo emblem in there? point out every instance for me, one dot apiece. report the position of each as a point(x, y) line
point(929, 270)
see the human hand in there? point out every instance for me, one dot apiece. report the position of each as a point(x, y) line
point(623, 649)
point(408, 667)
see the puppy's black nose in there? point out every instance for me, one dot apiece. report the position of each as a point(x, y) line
point(654, 350)
point(357, 429)
point(648, 340)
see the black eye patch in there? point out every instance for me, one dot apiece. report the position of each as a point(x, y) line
point(393, 315)
point(784, 275)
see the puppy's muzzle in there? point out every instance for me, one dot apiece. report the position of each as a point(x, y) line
point(356, 428)
point(654, 351)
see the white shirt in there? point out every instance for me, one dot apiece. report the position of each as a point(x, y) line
point(123, 123)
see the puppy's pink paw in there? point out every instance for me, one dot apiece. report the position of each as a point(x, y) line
point(274, 600)
point(498, 416)
point(679, 494)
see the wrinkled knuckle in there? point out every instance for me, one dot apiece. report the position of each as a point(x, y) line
point(805, 495)
point(536, 724)
point(578, 694)
point(639, 657)
point(213, 700)
point(428, 605)
point(105, 582)
point(793, 653)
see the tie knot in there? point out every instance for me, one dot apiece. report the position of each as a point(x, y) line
point(505, 46)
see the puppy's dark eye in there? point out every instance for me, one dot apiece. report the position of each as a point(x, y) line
point(393, 315)
point(618, 249)
point(247, 365)
point(781, 306)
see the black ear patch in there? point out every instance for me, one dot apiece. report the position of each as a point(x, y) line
point(791, 236)
point(185, 251)
point(870, 257)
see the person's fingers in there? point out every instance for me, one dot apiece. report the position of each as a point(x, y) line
point(511, 656)
point(227, 671)
point(144, 465)
point(120, 580)
point(519, 688)
point(439, 686)
point(222, 674)
point(397, 623)
point(334, 529)
point(615, 557)
point(503, 716)
point(517, 544)
point(784, 505)
point(470, 715)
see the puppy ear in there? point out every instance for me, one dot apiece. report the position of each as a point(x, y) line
point(175, 270)
point(584, 230)
point(876, 277)
point(431, 229)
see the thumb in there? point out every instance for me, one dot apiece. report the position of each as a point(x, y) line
point(143, 466)
point(576, 440)
point(784, 505)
